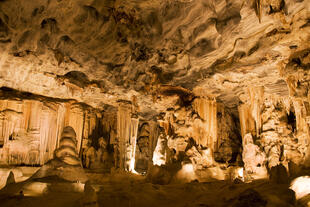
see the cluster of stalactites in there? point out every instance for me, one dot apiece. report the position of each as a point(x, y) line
point(278, 127)
point(30, 130)
point(127, 130)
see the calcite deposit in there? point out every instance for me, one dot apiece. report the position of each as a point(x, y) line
point(175, 91)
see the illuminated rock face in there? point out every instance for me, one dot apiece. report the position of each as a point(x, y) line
point(279, 128)
point(102, 51)
point(67, 150)
point(66, 163)
point(254, 159)
point(196, 83)
point(30, 130)
point(202, 136)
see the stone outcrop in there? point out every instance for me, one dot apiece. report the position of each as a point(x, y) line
point(204, 135)
point(279, 128)
point(63, 173)
point(100, 52)
point(66, 163)
point(67, 150)
point(31, 126)
point(216, 86)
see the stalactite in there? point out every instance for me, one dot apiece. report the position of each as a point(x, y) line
point(256, 98)
point(127, 131)
point(300, 114)
point(133, 142)
point(123, 130)
point(89, 125)
point(250, 113)
point(247, 122)
point(153, 139)
point(207, 129)
point(109, 125)
point(35, 114)
point(61, 112)
point(30, 130)
point(302, 129)
point(11, 119)
point(48, 132)
point(279, 127)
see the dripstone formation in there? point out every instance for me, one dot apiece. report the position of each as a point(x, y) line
point(66, 163)
point(67, 151)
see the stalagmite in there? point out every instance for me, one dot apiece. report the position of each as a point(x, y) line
point(160, 152)
point(144, 96)
point(75, 118)
point(66, 163)
point(67, 150)
point(30, 130)
point(65, 169)
point(254, 159)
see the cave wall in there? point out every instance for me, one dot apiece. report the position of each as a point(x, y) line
point(250, 55)
point(278, 128)
point(30, 129)
point(204, 135)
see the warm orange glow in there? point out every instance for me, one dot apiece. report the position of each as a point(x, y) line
point(187, 173)
point(301, 186)
point(35, 189)
point(132, 166)
point(157, 159)
point(240, 172)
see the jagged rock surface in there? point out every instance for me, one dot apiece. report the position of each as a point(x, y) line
point(190, 70)
point(101, 51)
point(66, 163)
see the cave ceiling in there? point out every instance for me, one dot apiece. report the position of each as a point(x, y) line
point(152, 52)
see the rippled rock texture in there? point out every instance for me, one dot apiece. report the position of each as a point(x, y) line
point(189, 85)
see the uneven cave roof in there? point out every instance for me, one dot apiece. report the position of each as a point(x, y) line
point(98, 52)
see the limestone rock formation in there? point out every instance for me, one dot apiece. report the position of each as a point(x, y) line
point(66, 163)
point(254, 159)
point(67, 150)
point(63, 172)
point(100, 52)
point(219, 86)
point(177, 90)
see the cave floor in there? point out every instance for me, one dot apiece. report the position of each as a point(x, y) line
point(130, 190)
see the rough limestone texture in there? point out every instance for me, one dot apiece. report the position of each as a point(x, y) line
point(66, 164)
point(63, 173)
point(279, 128)
point(31, 127)
point(254, 159)
point(101, 51)
point(209, 74)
